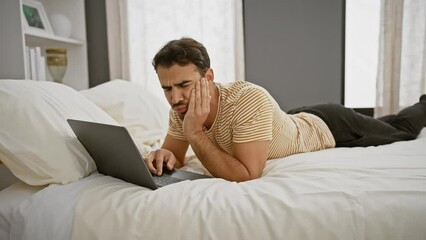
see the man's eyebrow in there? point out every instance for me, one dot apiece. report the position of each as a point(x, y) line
point(177, 84)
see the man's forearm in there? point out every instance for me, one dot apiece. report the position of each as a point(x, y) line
point(216, 161)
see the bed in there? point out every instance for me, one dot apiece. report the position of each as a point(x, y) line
point(343, 193)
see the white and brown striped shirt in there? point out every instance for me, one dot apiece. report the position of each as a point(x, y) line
point(248, 113)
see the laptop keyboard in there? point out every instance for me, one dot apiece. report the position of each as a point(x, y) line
point(165, 180)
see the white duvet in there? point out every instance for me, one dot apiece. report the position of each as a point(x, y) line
point(345, 193)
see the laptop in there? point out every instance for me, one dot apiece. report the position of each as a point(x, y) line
point(116, 155)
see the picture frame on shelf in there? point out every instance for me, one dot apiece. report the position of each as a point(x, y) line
point(35, 18)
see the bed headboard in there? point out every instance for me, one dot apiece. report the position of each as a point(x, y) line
point(6, 177)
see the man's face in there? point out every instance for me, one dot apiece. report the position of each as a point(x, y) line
point(177, 83)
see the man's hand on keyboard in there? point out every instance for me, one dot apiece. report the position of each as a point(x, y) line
point(159, 158)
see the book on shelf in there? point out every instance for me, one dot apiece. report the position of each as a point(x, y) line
point(36, 64)
point(33, 66)
point(27, 62)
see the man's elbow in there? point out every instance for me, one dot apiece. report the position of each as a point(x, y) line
point(246, 176)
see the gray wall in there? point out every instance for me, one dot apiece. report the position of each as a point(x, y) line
point(97, 42)
point(295, 49)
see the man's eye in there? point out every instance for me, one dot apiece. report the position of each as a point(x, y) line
point(183, 85)
point(167, 89)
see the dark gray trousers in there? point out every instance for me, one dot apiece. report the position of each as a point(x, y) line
point(352, 129)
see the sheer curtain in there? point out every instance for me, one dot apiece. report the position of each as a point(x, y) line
point(402, 55)
point(137, 29)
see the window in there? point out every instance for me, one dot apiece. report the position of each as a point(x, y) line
point(361, 53)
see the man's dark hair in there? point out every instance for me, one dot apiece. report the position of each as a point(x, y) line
point(183, 52)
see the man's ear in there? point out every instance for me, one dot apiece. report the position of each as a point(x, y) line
point(209, 75)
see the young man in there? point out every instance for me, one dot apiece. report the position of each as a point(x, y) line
point(235, 128)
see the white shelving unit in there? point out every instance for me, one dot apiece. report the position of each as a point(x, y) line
point(14, 38)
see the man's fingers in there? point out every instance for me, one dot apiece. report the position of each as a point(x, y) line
point(191, 106)
point(205, 93)
point(158, 159)
point(198, 96)
point(159, 165)
point(149, 162)
point(171, 160)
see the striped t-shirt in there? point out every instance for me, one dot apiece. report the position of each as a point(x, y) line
point(248, 113)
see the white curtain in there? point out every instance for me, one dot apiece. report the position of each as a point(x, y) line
point(137, 29)
point(402, 55)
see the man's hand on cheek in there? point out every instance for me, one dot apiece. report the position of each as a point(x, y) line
point(198, 108)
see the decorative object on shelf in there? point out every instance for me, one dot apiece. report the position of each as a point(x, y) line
point(35, 18)
point(57, 63)
point(61, 24)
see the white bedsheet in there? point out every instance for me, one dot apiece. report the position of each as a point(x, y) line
point(344, 193)
point(10, 198)
point(40, 213)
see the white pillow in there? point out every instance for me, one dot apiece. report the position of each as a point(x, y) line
point(143, 114)
point(36, 142)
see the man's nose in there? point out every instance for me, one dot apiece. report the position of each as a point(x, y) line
point(176, 96)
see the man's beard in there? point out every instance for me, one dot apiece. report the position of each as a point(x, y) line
point(180, 104)
point(181, 115)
